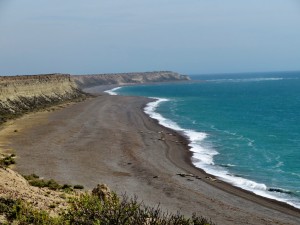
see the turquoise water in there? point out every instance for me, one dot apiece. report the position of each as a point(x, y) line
point(244, 128)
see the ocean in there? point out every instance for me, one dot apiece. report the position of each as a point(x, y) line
point(243, 128)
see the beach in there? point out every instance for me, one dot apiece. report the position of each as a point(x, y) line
point(109, 139)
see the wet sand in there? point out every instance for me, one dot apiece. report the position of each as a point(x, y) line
point(109, 139)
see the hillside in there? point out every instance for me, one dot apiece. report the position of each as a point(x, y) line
point(84, 81)
point(20, 94)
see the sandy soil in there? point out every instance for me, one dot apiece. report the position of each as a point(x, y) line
point(110, 140)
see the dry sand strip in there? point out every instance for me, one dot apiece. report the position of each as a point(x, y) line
point(109, 139)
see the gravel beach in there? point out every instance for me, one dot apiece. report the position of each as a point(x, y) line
point(109, 139)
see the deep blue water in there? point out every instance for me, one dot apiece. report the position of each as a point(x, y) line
point(244, 128)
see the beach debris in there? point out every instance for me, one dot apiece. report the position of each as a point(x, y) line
point(211, 179)
point(155, 176)
point(181, 174)
point(279, 190)
point(102, 191)
point(187, 175)
point(189, 179)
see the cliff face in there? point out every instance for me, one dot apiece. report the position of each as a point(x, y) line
point(84, 81)
point(19, 94)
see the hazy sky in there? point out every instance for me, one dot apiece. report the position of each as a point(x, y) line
point(187, 36)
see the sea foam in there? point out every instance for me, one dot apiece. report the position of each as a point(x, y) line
point(246, 80)
point(203, 157)
point(112, 91)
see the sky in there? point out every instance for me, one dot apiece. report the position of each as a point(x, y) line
point(186, 36)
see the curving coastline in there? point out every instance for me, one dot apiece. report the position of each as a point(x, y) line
point(110, 139)
point(189, 136)
point(193, 138)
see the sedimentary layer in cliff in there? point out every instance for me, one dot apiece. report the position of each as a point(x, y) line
point(19, 94)
point(84, 81)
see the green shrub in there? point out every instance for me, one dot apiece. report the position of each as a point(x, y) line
point(19, 211)
point(89, 209)
point(66, 186)
point(53, 185)
point(38, 183)
point(77, 186)
point(7, 160)
point(35, 181)
point(31, 176)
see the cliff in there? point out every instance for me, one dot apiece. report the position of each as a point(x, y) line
point(84, 81)
point(19, 94)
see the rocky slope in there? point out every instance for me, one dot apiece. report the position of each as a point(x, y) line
point(19, 94)
point(84, 81)
point(14, 186)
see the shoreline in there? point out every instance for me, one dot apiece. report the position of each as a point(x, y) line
point(188, 142)
point(211, 175)
point(189, 157)
point(140, 161)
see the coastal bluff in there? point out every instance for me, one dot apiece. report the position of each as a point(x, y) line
point(86, 81)
point(25, 93)
point(20, 94)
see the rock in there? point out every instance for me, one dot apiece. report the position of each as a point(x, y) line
point(181, 174)
point(279, 190)
point(102, 191)
point(211, 179)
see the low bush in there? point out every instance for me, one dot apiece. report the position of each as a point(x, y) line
point(77, 186)
point(31, 176)
point(91, 210)
point(7, 160)
point(34, 180)
point(19, 212)
point(102, 207)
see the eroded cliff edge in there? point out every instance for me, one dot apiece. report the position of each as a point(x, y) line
point(85, 81)
point(20, 94)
